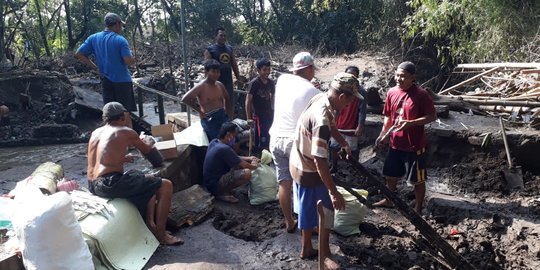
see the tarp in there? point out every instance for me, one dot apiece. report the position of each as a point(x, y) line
point(119, 239)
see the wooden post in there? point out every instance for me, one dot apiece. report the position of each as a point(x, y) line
point(140, 101)
point(451, 256)
point(161, 110)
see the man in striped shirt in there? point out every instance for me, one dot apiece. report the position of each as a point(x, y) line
point(309, 160)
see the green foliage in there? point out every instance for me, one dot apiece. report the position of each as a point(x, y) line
point(474, 30)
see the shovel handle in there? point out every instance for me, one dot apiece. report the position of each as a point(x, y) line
point(506, 148)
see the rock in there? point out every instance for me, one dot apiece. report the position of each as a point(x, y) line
point(55, 131)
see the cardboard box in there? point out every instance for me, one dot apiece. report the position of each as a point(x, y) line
point(167, 144)
point(180, 120)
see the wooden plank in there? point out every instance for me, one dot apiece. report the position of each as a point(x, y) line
point(504, 65)
point(470, 80)
point(189, 206)
point(451, 256)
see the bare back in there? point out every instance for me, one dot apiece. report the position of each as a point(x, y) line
point(107, 149)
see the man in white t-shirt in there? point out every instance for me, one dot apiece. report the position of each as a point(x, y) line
point(293, 93)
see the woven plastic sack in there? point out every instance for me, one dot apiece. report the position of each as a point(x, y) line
point(266, 157)
point(347, 222)
point(263, 185)
point(48, 232)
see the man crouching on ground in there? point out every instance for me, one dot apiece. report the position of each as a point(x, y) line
point(107, 153)
point(309, 162)
point(223, 169)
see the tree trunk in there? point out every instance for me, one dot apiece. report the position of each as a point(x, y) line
point(2, 29)
point(174, 19)
point(41, 29)
point(68, 23)
point(138, 17)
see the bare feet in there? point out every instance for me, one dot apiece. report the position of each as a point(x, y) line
point(291, 228)
point(331, 264)
point(309, 255)
point(171, 240)
point(384, 203)
point(228, 198)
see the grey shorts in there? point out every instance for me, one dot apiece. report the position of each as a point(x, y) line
point(280, 147)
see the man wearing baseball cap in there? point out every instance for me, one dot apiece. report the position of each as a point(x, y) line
point(112, 56)
point(309, 165)
point(293, 93)
point(107, 153)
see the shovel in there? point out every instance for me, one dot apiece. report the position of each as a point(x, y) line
point(370, 152)
point(512, 175)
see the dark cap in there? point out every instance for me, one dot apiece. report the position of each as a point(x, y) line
point(113, 18)
point(112, 109)
point(347, 82)
point(408, 66)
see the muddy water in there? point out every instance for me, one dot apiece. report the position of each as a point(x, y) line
point(19, 162)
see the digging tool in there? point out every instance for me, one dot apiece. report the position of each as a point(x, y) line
point(451, 256)
point(371, 151)
point(250, 145)
point(512, 175)
point(320, 210)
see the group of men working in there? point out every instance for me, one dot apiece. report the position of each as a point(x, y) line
point(296, 121)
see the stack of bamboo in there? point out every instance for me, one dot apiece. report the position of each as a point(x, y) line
point(512, 88)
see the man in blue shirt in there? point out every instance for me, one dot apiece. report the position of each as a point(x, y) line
point(112, 58)
point(223, 169)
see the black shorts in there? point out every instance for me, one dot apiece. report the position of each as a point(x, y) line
point(121, 92)
point(133, 185)
point(412, 165)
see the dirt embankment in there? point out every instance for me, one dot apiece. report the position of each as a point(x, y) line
point(493, 227)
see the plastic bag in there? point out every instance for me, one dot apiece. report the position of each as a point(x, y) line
point(49, 235)
point(347, 222)
point(263, 185)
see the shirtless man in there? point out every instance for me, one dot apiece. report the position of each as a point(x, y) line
point(212, 99)
point(107, 153)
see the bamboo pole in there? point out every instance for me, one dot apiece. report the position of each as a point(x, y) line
point(472, 79)
point(504, 65)
point(450, 255)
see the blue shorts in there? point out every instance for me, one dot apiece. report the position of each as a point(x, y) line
point(212, 123)
point(306, 204)
point(412, 165)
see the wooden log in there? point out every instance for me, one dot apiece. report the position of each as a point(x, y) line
point(504, 65)
point(470, 80)
point(451, 256)
point(189, 206)
point(519, 103)
point(530, 71)
point(454, 103)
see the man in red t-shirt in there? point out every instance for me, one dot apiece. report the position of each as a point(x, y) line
point(350, 122)
point(407, 109)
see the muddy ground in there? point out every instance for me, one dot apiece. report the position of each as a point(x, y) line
point(497, 228)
